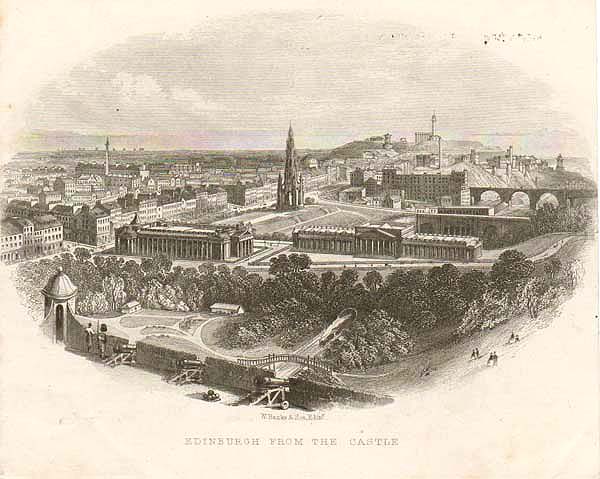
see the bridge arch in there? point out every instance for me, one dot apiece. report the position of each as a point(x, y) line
point(490, 197)
point(547, 198)
point(520, 198)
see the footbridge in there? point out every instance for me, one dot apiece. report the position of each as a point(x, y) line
point(304, 361)
point(306, 356)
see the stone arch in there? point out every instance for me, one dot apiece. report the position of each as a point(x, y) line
point(490, 197)
point(519, 197)
point(547, 198)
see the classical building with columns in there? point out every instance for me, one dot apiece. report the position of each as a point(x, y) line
point(366, 240)
point(181, 241)
point(445, 247)
point(385, 241)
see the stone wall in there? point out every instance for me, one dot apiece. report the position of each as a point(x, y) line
point(159, 358)
point(312, 395)
point(219, 372)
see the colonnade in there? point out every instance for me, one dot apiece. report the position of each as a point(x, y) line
point(375, 247)
point(245, 248)
point(436, 251)
point(173, 247)
point(326, 245)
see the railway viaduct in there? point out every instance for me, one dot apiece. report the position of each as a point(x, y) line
point(566, 196)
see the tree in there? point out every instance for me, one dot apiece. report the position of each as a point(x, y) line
point(511, 270)
point(348, 278)
point(443, 292)
point(82, 254)
point(279, 265)
point(472, 285)
point(573, 273)
point(299, 262)
point(373, 280)
point(240, 271)
point(114, 290)
point(538, 295)
point(92, 303)
point(553, 268)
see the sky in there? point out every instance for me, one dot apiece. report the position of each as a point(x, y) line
point(237, 80)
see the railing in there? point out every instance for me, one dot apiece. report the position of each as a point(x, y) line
point(307, 361)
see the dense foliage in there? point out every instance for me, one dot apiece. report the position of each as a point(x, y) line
point(552, 219)
point(293, 303)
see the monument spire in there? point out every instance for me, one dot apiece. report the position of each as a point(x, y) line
point(291, 192)
point(107, 157)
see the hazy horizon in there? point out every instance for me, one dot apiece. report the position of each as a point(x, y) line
point(238, 82)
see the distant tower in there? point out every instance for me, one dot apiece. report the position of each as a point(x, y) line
point(59, 308)
point(559, 163)
point(107, 157)
point(433, 120)
point(290, 192)
point(387, 141)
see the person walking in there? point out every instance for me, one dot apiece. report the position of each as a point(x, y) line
point(477, 353)
point(490, 360)
point(495, 359)
point(473, 355)
point(89, 337)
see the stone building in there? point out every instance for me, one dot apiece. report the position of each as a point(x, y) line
point(60, 296)
point(385, 241)
point(429, 187)
point(352, 194)
point(23, 238)
point(194, 242)
point(453, 248)
point(357, 177)
point(493, 230)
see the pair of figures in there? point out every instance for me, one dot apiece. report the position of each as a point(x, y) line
point(101, 337)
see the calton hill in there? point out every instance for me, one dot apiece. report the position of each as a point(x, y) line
point(398, 313)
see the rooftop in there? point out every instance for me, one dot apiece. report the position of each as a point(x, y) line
point(433, 238)
point(60, 286)
point(232, 307)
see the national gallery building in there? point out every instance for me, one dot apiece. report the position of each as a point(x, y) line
point(385, 241)
point(181, 241)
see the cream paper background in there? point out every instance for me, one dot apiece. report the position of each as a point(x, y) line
point(62, 416)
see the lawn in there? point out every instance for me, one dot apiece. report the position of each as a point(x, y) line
point(343, 218)
point(149, 330)
point(286, 221)
point(531, 247)
point(449, 358)
point(138, 321)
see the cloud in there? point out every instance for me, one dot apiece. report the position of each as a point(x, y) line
point(334, 75)
point(134, 88)
point(191, 100)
